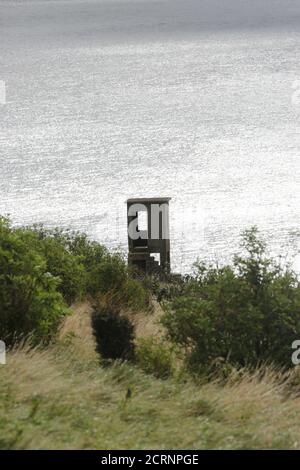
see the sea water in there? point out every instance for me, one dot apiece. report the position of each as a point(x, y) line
point(196, 100)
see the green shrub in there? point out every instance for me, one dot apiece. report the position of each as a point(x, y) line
point(154, 357)
point(41, 268)
point(91, 254)
point(67, 267)
point(60, 262)
point(112, 275)
point(29, 300)
point(85, 267)
point(245, 313)
point(114, 333)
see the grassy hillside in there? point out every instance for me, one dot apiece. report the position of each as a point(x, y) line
point(117, 360)
point(60, 398)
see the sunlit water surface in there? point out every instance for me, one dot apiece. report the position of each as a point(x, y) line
point(114, 99)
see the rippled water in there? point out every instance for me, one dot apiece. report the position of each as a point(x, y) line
point(189, 99)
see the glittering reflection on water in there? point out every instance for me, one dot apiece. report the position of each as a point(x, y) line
point(206, 119)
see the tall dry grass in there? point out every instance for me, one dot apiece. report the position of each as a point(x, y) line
point(60, 398)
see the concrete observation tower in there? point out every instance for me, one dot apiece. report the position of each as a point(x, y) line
point(148, 234)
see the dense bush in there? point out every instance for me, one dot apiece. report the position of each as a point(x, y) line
point(91, 255)
point(43, 270)
point(113, 276)
point(29, 300)
point(85, 267)
point(114, 333)
point(154, 357)
point(60, 261)
point(245, 313)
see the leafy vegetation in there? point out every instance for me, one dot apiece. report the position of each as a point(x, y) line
point(155, 357)
point(224, 321)
point(43, 271)
point(246, 314)
point(114, 333)
point(29, 300)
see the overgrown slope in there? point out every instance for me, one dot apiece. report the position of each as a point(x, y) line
point(75, 299)
point(61, 399)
